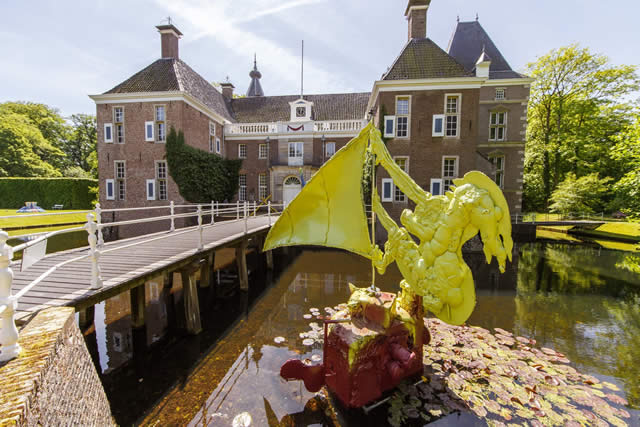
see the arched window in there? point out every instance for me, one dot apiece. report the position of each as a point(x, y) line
point(292, 180)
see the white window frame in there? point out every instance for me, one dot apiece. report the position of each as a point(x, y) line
point(162, 180)
point(498, 172)
point(212, 136)
point(501, 91)
point(436, 181)
point(149, 136)
point(242, 189)
point(111, 196)
point(497, 125)
point(455, 175)
point(151, 184)
point(110, 127)
point(458, 114)
point(389, 133)
point(442, 118)
point(159, 123)
point(262, 187)
point(398, 195)
point(389, 182)
point(298, 158)
point(399, 116)
point(241, 148)
point(115, 114)
point(326, 150)
point(118, 180)
point(263, 150)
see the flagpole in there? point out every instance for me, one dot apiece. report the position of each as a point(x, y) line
point(302, 73)
point(373, 217)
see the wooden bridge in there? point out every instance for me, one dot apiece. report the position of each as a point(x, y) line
point(83, 277)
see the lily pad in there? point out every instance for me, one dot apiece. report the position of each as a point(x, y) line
point(279, 340)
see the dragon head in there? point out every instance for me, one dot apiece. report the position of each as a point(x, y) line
point(488, 212)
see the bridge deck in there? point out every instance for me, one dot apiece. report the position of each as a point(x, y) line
point(137, 260)
point(567, 223)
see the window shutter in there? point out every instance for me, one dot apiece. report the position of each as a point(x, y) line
point(436, 187)
point(387, 190)
point(148, 131)
point(108, 132)
point(109, 189)
point(389, 126)
point(218, 145)
point(151, 189)
point(438, 125)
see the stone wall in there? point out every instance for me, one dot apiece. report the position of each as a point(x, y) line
point(54, 381)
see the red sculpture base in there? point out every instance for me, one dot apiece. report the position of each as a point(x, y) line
point(362, 357)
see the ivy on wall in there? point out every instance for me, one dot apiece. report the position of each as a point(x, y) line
point(201, 176)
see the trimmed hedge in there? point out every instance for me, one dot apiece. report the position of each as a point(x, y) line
point(73, 193)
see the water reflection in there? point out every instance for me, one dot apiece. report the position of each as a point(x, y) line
point(580, 300)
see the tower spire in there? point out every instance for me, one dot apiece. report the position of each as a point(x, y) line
point(255, 89)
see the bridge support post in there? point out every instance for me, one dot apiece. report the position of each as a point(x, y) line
point(191, 303)
point(98, 211)
point(137, 306)
point(206, 270)
point(241, 261)
point(86, 317)
point(269, 256)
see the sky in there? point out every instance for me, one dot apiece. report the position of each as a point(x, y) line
point(59, 52)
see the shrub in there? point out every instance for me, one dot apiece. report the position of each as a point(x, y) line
point(201, 176)
point(73, 193)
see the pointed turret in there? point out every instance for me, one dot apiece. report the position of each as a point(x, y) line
point(255, 89)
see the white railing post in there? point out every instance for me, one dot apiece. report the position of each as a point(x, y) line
point(246, 217)
point(200, 245)
point(173, 214)
point(212, 212)
point(254, 208)
point(98, 212)
point(217, 208)
point(8, 333)
point(94, 252)
point(269, 211)
point(238, 209)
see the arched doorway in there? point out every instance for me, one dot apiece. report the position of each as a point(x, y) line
point(290, 189)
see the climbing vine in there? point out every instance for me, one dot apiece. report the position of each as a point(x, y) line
point(201, 176)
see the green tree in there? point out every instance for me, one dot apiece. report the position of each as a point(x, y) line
point(627, 151)
point(583, 195)
point(575, 112)
point(23, 149)
point(48, 120)
point(80, 144)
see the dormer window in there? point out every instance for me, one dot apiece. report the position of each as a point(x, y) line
point(301, 110)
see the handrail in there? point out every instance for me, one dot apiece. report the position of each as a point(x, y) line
point(94, 226)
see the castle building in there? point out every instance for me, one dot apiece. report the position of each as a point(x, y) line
point(443, 113)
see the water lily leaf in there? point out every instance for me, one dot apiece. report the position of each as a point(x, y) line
point(242, 420)
point(617, 399)
point(308, 341)
point(279, 340)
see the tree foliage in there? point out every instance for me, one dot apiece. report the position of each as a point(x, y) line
point(37, 141)
point(627, 151)
point(576, 110)
point(201, 177)
point(586, 194)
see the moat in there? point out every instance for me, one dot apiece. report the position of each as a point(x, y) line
point(575, 298)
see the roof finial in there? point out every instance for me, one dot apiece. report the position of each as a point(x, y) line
point(458, 18)
point(476, 16)
point(255, 61)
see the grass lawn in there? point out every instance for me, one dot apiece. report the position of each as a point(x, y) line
point(29, 219)
point(625, 228)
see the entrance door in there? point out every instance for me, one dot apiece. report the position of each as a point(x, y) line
point(290, 189)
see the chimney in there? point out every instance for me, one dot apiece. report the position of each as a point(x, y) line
point(227, 89)
point(170, 36)
point(416, 15)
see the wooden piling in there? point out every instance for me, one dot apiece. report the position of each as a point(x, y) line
point(86, 317)
point(137, 306)
point(241, 261)
point(269, 256)
point(191, 302)
point(206, 271)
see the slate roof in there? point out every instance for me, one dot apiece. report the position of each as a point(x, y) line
point(466, 45)
point(423, 59)
point(171, 74)
point(340, 106)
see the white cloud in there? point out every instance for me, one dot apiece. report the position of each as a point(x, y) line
point(220, 20)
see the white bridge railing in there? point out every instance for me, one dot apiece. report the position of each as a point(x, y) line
point(9, 347)
point(327, 126)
